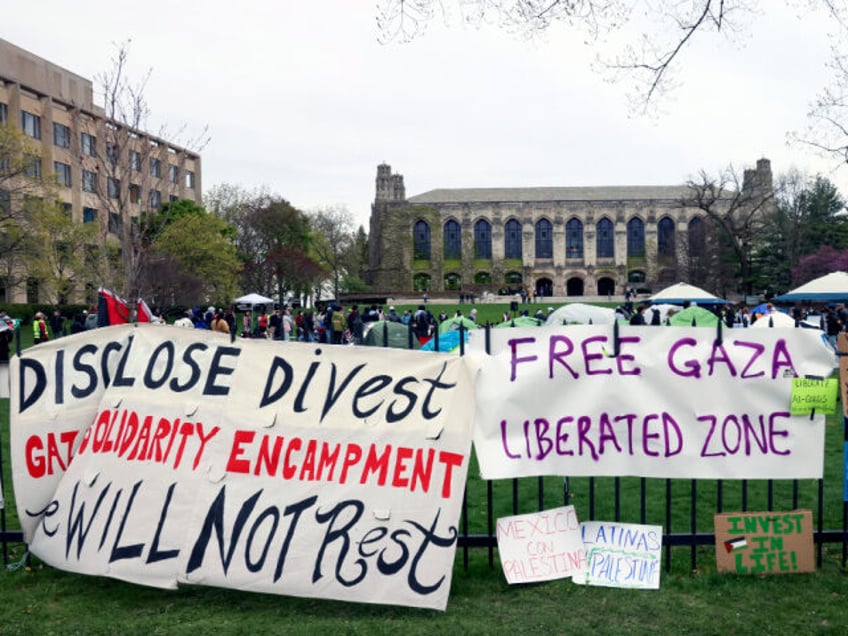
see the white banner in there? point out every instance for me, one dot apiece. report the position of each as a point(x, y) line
point(672, 403)
point(160, 455)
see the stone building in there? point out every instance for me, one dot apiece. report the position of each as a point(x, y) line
point(105, 170)
point(553, 241)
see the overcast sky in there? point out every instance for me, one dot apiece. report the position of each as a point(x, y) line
point(301, 98)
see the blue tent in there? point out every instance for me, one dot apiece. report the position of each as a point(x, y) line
point(448, 341)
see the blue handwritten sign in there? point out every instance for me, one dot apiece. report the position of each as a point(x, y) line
point(621, 555)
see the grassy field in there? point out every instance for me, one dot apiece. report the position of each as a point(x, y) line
point(40, 599)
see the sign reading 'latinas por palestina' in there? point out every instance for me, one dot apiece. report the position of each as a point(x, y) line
point(661, 402)
point(158, 455)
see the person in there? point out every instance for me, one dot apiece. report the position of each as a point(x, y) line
point(639, 317)
point(337, 324)
point(262, 324)
point(421, 325)
point(656, 318)
point(78, 324)
point(219, 323)
point(473, 315)
point(275, 323)
point(355, 325)
point(57, 324)
point(245, 325)
point(39, 329)
point(393, 315)
point(90, 319)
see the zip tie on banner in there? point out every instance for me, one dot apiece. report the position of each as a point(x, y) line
point(11, 567)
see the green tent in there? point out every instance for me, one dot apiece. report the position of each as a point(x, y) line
point(453, 323)
point(521, 321)
point(702, 317)
point(385, 333)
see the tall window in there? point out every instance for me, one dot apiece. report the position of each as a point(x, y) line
point(635, 238)
point(173, 173)
point(512, 239)
point(63, 173)
point(4, 113)
point(189, 179)
point(482, 239)
point(5, 202)
point(135, 160)
point(112, 152)
point(32, 169)
point(453, 241)
point(697, 237)
point(61, 135)
point(114, 187)
point(89, 215)
point(544, 239)
point(574, 239)
point(421, 241)
point(31, 124)
point(89, 144)
point(155, 167)
point(135, 193)
point(665, 237)
point(89, 181)
point(155, 199)
point(605, 239)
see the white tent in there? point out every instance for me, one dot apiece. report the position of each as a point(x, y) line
point(680, 293)
point(253, 300)
point(777, 319)
point(581, 313)
point(830, 287)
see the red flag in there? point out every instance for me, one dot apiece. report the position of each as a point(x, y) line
point(143, 313)
point(111, 309)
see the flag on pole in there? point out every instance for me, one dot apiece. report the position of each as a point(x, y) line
point(111, 309)
point(143, 313)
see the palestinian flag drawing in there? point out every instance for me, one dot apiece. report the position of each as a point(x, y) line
point(735, 543)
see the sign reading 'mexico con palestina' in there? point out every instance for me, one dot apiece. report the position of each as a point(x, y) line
point(160, 455)
point(660, 402)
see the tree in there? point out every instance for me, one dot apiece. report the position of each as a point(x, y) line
point(193, 260)
point(738, 210)
point(824, 261)
point(62, 253)
point(133, 169)
point(332, 244)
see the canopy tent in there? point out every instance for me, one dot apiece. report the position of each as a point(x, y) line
point(680, 293)
point(385, 333)
point(830, 287)
point(694, 316)
point(581, 314)
point(253, 299)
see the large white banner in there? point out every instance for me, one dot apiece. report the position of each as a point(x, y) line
point(673, 402)
point(160, 455)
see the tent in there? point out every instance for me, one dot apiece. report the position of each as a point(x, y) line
point(777, 319)
point(830, 287)
point(385, 333)
point(680, 293)
point(581, 313)
point(452, 324)
point(448, 341)
point(520, 321)
point(702, 317)
point(254, 299)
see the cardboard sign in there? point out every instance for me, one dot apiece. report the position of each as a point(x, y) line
point(764, 542)
point(622, 555)
point(160, 455)
point(673, 402)
point(541, 546)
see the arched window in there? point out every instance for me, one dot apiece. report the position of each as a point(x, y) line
point(482, 239)
point(665, 237)
point(697, 237)
point(512, 239)
point(453, 241)
point(421, 241)
point(453, 281)
point(574, 239)
point(605, 242)
point(635, 238)
point(421, 282)
point(544, 239)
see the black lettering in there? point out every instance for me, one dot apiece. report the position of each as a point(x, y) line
point(216, 369)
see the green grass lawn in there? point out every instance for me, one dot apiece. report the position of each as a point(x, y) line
point(40, 599)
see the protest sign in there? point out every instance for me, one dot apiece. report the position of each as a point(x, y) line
point(764, 542)
point(621, 555)
point(541, 546)
point(159, 456)
point(658, 402)
point(814, 395)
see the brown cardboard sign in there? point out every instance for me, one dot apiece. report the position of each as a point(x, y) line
point(764, 542)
